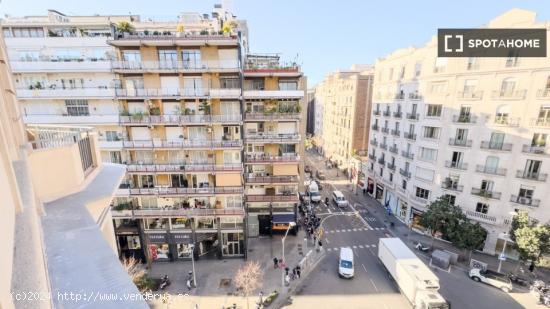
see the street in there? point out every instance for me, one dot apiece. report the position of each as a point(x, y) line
point(372, 287)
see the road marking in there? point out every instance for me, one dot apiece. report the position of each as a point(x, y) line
point(337, 231)
point(366, 246)
point(364, 267)
point(374, 285)
point(361, 246)
point(349, 230)
point(354, 230)
point(371, 252)
point(329, 249)
point(354, 247)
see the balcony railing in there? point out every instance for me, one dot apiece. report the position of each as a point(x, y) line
point(470, 95)
point(394, 149)
point(543, 93)
point(486, 193)
point(456, 165)
point(453, 186)
point(527, 201)
point(391, 166)
point(270, 179)
point(407, 154)
point(415, 96)
point(268, 158)
point(174, 167)
point(410, 136)
point(376, 112)
point(541, 122)
point(375, 127)
point(184, 66)
point(177, 212)
point(177, 119)
point(386, 113)
point(460, 142)
point(178, 93)
point(507, 121)
point(413, 116)
point(511, 95)
point(372, 157)
point(464, 118)
point(274, 138)
point(405, 173)
point(385, 130)
point(491, 170)
point(58, 93)
point(496, 146)
point(185, 191)
point(196, 143)
point(272, 198)
point(384, 146)
point(531, 176)
point(381, 161)
point(399, 96)
point(542, 150)
point(374, 142)
point(478, 216)
point(395, 132)
point(271, 116)
point(61, 65)
point(398, 114)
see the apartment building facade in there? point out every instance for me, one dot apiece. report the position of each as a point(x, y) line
point(168, 100)
point(345, 99)
point(473, 130)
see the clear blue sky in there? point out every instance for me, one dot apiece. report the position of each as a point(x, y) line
point(326, 34)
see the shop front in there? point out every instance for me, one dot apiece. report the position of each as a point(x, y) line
point(281, 223)
point(390, 202)
point(207, 244)
point(402, 212)
point(232, 244)
point(370, 186)
point(182, 244)
point(379, 195)
point(159, 247)
point(416, 217)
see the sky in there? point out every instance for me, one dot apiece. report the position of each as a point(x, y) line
point(322, 35)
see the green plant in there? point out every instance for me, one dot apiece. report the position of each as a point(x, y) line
point(205, 107)
point(204, 32)
point(443, 218)
point(125, 27)
point(154, 111)
point(187, 111)
point(146, 32)
point(138, 115)
point(52, 34)
point(469, 236)
point(124, 113)
point(531, 238)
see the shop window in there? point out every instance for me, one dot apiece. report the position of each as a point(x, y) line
point(156, 224)
point(184, 250)
point(206, 223)
point(181, 223)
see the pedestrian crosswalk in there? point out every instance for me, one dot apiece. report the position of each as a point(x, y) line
point(355, 230)
point(366, 246)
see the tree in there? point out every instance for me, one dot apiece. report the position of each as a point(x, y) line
point(531, 239)
point(442, 217)
point(125, 27)
point(247, 279)
point(469, 236)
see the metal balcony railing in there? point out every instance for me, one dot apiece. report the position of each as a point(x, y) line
point(268, 158)
point(376, 112)
point(384, 146)
point(413, 116)
point(410, 136)
point(543, 93)
point(386, 113)
point(456, 165)
point(531, 175)
point(528, 201)
point(512, 95)
point(175, 167)
point(251, 178)
point(398, 114)
point(486, 193)
point(451, 185)
point(496, 146)
point(391, 166)
point(415, 96)
point(394, 149)
point(407, 154)
point(470, 95)
point(385, 130)
point(405, 173)
point(460, 142)
point(196, 143)
point(491, 170)
point(542, 150)
point(395, 132)
point(507, 121)
point(374, 142)
point(466, 118)
point(375, 127)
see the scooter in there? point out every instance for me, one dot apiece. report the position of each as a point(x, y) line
point(164, 282)
point(421, 247)
point(518, 280)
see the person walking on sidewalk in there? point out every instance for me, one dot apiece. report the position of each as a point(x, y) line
point(298, 271)
point(275, 263)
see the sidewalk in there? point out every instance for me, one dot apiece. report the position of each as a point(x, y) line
point(215, 287)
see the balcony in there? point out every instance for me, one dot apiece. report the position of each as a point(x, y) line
point(77, 65)
point(376, 112)
point(509, 95)
point(178, 212)
point(170, 144)
point(61, 94)
point(466, 118)
point(374, 142)
point(182, 168)
point(271, 116)
point(486, 193)
point(273, 138)
point(141, 119)
point(173, 39)
point(415, 96)
point(448, 184)
point(531, 175)
point(384, 146)
point(409, 136)
point(460, 142)
point(539, 150)
point(166, 191)
point(395, 132)
point(385, 130)
point(394, 149)
point(413, 116)
point(382, 161)
point(407, 154)
point(470, 95)
point(541, 93)
point(527, 201)
point(418, 199)
point(398, 114)
point(263, 158)
point(92, 119)
point(496, 146)
point(405, 173)
point(541, 122)
point(387, 113)
point(372, 157)
point(391, 166)
point(257, 179)
point(481, 217)
point(272, 198)
point(507, 121)
point(114, 144)
point(375, 127)
point(399, 96)
point(491, 170)
point(162, 93)
point(175, 66)
point(456, 165)
point(273, 94)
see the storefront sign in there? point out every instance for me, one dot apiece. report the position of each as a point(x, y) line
point(157, 238)
point(182, 238)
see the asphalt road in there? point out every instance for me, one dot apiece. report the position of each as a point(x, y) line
point(372, 287)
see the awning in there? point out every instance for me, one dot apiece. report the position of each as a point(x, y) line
point(283, 218)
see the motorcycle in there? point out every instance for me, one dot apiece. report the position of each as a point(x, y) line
point(420, 247)
point(518, 280)
point(164, 282)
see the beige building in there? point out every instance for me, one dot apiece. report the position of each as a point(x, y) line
point(474, 130)
point(344, 98)
point(55, 208)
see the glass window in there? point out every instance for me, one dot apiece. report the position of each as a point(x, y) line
point(482, 208)
point(77, 107)
point(434, 110)
point(288, 85)
point(422, 193)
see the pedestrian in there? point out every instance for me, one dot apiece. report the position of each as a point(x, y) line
point(294, 272)
point(287, 280)
point(298, 271)
point(364, 191)
point(532, 266)
point(188, 284)
point(287, 270)
point(275, 262)
point(314, 238)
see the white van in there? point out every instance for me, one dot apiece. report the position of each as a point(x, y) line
point(345, 263)
point(339, 199)
point(313, 191)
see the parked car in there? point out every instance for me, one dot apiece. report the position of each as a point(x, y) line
point(307, 169)
point(339, 199)
point(495, 279)
point(345, 263)
point(320, 175)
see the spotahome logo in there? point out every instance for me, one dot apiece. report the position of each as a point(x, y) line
point(491, 42)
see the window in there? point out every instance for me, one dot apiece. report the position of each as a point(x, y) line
point(539, 140)
point(77, 107)
point(428, 154)
point(491, 164)
point(470, 86)
point(288, 85)
point(502, 114)
point(168, 58)
point(461, 135)
point(512, 59)
point(544, 115)
point(191, 59)
point(431, 132)
point(482, 208)
point(424, 174)
point(440, 64)
point(532, 168)
point(229, 82)
point(526, 192)
point(434, 110)
point(258, 84)
point(507, 87)
point(456, 159)
point(451, 199)
point(111, 136)
point(472, 63)
point(422, 193)
point(497, 140)
point(404, 184)
point(438, 87)
point(417, 69)
point(115, 157)
point(487, 185)
point(131, 55)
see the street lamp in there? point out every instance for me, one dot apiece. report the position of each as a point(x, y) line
point(193, 263)
point(290, 225)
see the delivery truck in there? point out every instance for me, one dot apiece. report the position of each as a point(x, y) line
point(415, 280)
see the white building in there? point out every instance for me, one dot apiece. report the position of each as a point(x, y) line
point(474, 130)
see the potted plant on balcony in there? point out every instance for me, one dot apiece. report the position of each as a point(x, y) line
point(138, 115)
point(154, 111)
point(124, 113)
point(125, 28)
point(205, 107)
